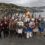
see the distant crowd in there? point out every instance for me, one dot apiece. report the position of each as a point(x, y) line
point(22, 26)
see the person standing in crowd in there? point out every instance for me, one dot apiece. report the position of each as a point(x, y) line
point(27, 16)
point(0, 28)
point(11, 24)
point(5, 26)
point(35, 30)
point(31, 27)
point(41, 27)
point(19, 29)
point(16, 15)
point(44, 27)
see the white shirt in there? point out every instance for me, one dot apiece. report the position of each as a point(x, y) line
point(20, 23)
point(20, 31)
point(31, 23)
point(12, 17)
point(26, 19)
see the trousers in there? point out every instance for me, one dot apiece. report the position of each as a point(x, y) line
point(28, 34)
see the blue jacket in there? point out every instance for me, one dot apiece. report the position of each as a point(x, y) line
point(41, 26)
point(28, 30)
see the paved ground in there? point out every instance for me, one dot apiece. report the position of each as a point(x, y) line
point(23, 41)
point(16, 41)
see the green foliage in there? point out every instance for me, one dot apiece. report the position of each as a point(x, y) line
point(5, 5)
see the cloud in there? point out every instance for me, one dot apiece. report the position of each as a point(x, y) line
point(26, 3)
point(38, 3)
point(18, 1)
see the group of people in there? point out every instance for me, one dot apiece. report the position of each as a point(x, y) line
point(21, 26)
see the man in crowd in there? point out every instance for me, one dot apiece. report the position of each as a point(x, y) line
point(5, 27)
point(41, 27)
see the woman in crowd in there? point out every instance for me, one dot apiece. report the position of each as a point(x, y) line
point(19, 28)
point(27, 17)
point(35, 29)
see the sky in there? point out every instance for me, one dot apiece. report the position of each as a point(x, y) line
point(25, 3)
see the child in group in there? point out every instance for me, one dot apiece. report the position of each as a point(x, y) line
point(29, 30)
point(20, 25)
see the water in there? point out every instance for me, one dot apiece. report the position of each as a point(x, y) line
point(39, 13)
point(36, 13)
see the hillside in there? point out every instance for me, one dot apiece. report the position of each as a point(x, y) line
point(6, 9)
point(5, 5)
